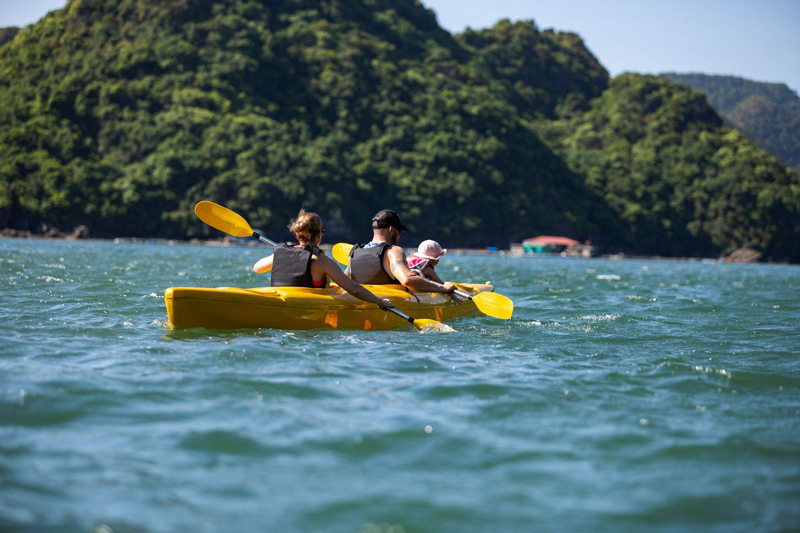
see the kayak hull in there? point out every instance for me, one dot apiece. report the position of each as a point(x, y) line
point(301, 308)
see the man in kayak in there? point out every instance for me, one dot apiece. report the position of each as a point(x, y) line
point(305, 265)
point(382, 262)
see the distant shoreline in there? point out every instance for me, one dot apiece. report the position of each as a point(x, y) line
point(229, 242)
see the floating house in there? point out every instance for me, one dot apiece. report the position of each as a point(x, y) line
point(548, 244)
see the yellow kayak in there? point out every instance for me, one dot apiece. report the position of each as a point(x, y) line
point(301, 308)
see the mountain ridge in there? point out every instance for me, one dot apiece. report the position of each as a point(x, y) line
point(122, 116)
point(768, 113)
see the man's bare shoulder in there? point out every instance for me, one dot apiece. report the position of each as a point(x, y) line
point(396, 252)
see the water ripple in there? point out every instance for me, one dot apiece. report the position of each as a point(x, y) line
point(622, 396)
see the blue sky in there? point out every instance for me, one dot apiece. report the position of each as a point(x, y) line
point(749, 38)
point(754, 39)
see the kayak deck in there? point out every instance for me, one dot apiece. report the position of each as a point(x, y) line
point(302, 308)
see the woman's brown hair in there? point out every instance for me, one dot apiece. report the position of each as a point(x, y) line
point(306, 226)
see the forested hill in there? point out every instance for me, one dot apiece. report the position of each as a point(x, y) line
point(768, 113)
point(6, 34)
point(122, 115)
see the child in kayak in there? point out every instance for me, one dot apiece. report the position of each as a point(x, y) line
point(425, 259)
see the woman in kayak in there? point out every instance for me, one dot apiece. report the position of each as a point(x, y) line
point(305, 265)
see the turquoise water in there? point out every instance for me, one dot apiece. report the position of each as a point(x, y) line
point(622, 396)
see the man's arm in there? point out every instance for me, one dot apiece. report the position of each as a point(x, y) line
point(397, 265)
point(431, 274)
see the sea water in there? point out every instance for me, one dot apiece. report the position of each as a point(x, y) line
point(622, 396)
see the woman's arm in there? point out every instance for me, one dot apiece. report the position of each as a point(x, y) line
point(336, 275)
point(263, 265)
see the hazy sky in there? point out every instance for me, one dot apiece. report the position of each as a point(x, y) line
point(750, 38)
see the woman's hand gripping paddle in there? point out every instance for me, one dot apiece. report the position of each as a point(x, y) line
point(488, 303)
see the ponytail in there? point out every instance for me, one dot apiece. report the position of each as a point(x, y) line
point(306, 226)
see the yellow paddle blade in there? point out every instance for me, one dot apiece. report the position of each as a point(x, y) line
point(427, 325)
point(341, 252)
point(493, 304)
point(223, 219)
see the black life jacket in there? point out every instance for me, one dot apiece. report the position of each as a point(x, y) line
point(291, 267)
point(367, 265)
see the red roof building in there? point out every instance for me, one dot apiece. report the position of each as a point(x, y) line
point(544, 240)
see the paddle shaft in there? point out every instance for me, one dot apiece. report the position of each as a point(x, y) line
point(457, 292)
point(463, 294)
point(263, 239)
point(400, 314)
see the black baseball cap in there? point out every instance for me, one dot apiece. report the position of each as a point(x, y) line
point(388, 219)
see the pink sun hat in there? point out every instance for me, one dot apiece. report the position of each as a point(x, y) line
point(430, 250)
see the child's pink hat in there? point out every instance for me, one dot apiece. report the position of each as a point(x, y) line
point(430, 250)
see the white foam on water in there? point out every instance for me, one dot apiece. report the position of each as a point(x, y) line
point(437, 328)
point(709, 370)
point(582, 328)
point(609, 277)
point(353, 339)
point(599, 318)
point(594, 318)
